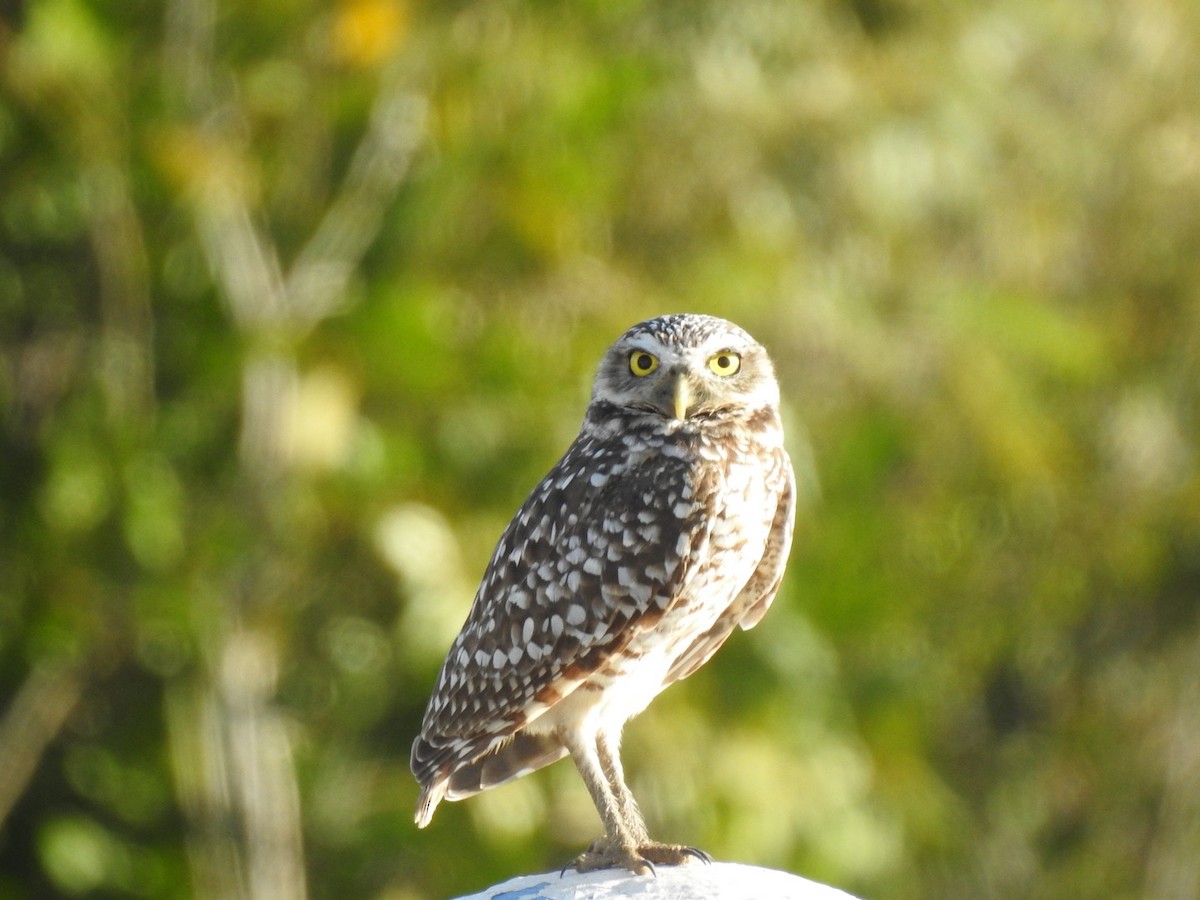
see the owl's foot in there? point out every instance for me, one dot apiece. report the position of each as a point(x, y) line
point(640, 859)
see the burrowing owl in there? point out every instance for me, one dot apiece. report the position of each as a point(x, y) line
point(666, 524)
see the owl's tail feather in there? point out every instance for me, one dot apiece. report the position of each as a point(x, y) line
point(431, 796)
point(519, 755)
point(523, 754)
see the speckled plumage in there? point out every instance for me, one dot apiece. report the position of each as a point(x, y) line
point(665, 525)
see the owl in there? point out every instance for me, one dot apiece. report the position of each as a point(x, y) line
point(665, 525)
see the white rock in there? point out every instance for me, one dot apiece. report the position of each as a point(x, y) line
point(693, 881)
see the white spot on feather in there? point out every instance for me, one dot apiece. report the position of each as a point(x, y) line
point(641, 593)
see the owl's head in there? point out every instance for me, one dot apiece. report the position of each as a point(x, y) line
point(687, 367)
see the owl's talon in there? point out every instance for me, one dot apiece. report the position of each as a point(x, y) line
point(586, 861)
point(672, 854)
point(640, 860)
point(697, 853)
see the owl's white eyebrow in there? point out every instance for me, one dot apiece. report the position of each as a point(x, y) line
point(647, 344)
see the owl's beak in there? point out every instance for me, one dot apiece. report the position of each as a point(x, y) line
point(682, 396)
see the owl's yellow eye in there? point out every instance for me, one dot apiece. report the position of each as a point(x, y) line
point(642, 363)
point(725, 363)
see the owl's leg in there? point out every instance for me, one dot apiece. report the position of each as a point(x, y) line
point(608, 752)
point(619, 846)
point(626, 843)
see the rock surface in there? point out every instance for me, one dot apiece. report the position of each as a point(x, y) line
point(694, 881)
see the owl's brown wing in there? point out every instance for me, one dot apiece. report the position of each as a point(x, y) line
point(753, 600)
point(600, 550)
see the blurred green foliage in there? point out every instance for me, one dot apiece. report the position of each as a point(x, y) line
point(298, 299)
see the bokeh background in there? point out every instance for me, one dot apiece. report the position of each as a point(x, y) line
point(299, 298)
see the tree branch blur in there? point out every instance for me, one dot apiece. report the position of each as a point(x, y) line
point(236, 736)
point(1172, 868)
point(31, 722)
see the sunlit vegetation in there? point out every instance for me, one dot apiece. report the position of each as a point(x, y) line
point(298, 300)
